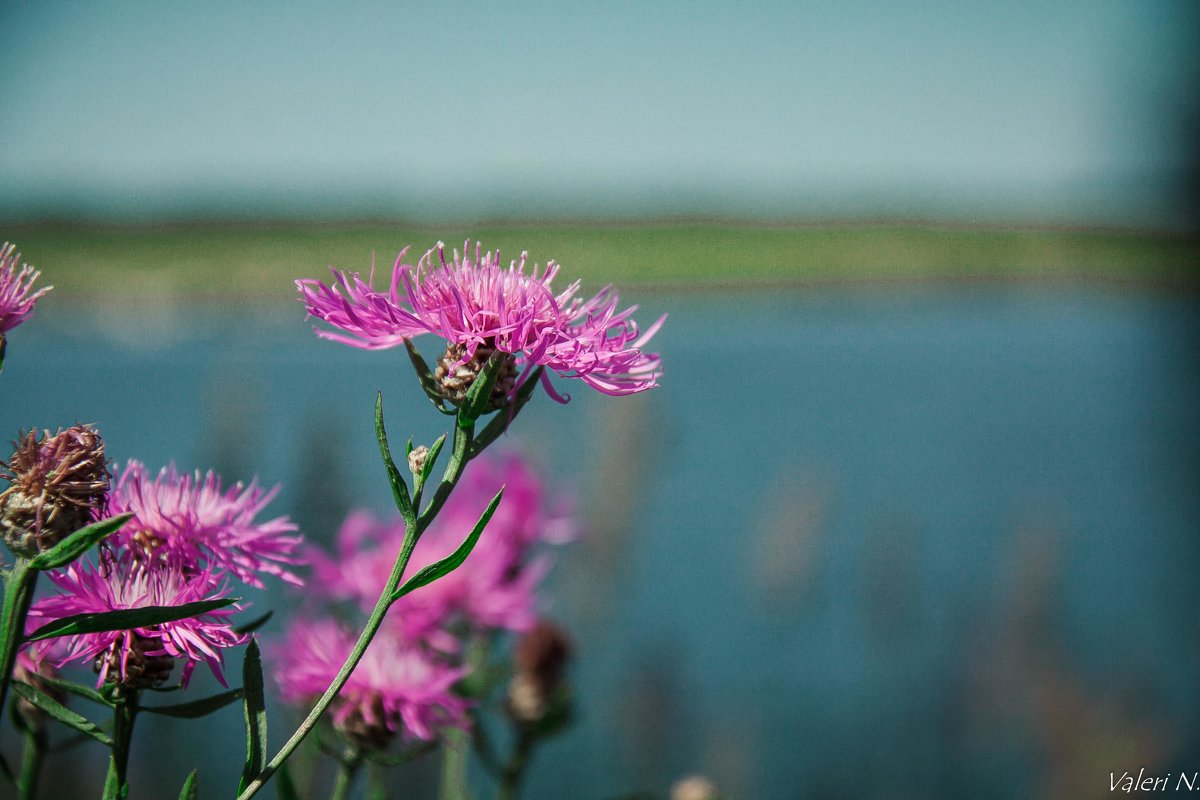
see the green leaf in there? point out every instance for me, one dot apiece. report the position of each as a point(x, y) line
point(196, 708)
point(255, 716)
point(399, 487)
point(188, 792)
point(428, 385)
point(452, 561)
point(431, 458)
point(86, 692)
point(125, 619)
point(78, 543)
point(60, 712)
point(499, 423)
point(285, 788)
point(385, 759)
point(481, 390)
point(254, 624)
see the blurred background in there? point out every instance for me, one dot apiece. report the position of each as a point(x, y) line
point(914, 512)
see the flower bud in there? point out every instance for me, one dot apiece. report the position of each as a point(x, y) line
point(695, 787)
point(536, 691)
point(416, 459)
point(57, 485)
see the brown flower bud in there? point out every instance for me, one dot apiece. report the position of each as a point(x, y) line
point(57, 485)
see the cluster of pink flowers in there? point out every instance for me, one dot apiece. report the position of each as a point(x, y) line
point(186, 535)
point(494, 589)
point(477, 302)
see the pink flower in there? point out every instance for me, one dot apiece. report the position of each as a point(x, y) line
point(397, 688)
point(495, 588)
point(191, 522)
point(16, 301)
point(141, 656)
point(479, 303)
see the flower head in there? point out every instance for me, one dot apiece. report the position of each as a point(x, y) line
point(397, 688)
point(495, 588)
point(140, 657)
point(16, 296)
point(57, 484)
point(191, 521)
point(477, 304)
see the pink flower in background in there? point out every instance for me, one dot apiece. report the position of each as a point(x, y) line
point(477, 303)
point(16, 296)
point(191, 522)
point(142, 656)
point(495, 588)
point(397, 688)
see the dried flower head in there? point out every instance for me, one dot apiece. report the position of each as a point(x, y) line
point(398, 689)
point(140, 657)
point(478, 305)
point(191, 522)
point(16, 296)
point(539, 658)
point(57, 485)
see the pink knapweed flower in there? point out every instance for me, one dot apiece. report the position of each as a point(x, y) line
point(495, 588)
point(477, 303)
point(16, 296)
point(191, 521)
point(141, 656)
point(397, 688)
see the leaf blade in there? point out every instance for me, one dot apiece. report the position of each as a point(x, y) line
point(188, 792)
point(78, 543)
point(399, 485)
point(125, 619)
point(61, 713)
point(451, 562)
point(255, 715)
point(195, 709)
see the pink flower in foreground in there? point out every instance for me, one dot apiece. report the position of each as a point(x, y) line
point(142, 656)
point(187, 520)
point(16, 296)
point(396, 689)
point(495, 588)
point(478, 303)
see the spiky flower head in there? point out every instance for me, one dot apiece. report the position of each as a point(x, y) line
point(145, 656)
point(479, 306)
point(190, 522)
point(57, 484)
point(398, 689)
point(17, 297)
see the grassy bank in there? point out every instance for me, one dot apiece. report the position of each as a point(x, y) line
point(226, 261)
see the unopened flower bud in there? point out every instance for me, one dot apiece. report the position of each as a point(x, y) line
point(416, 459)
point(695, 787)
point(57, 485)
point(454, 380)
point(540, 658)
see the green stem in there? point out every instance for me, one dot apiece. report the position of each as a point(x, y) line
point(18, 595)
point(116, 784)
point(454, 766)
point(458, 459)
point(31, 764)
point(515, 769)
point(346, 772)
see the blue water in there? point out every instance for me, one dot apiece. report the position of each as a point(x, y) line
point(930, 542)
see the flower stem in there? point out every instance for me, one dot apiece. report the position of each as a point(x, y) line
point(454, 765)
point(31, 764)
point(515, 768)
point(412, 531)
point(18, 594)
point(346, 772)
point(116, 784)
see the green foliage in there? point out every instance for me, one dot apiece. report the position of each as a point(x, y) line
point(125, 619)
point(78, 543)
point(58, 711)
point(196, 708)
point(454, 560)
point(255, 715)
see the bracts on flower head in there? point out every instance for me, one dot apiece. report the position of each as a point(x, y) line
point(57, 484)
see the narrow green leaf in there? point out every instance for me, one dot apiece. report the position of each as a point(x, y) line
point(196, 708)
point(254, 624)
point(188, 792)
point(86, 692)
point(125, 619)
point(60, 712)
point(431, 458)
point(285, 788)
point(399, 486)
point(481, 390)
point(255, 715)
point(426, 379)
point(499, 423)
point(452, 561)
point(78, 543)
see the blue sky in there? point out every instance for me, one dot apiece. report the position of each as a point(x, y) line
point(1067, 111)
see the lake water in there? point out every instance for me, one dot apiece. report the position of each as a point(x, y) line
point(876, 542)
